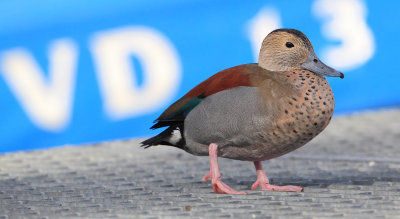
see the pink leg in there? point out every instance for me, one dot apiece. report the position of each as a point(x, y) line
point(263, 182)
point(217, 185)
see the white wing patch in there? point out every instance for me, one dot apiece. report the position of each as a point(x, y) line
point(175, 136)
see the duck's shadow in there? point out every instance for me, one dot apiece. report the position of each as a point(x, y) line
point(320, 180)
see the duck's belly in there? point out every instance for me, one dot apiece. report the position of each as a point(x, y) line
point(253, 144)
point(284, 138)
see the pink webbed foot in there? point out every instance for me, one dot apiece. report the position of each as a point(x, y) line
point(263, 182)
point(268, 187)
point(207, 176)
point(221, 188)
point(217, 185)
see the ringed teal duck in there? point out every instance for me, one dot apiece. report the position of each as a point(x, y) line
point(254, 112)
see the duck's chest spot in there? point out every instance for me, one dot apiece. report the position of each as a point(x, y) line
point(307, 112)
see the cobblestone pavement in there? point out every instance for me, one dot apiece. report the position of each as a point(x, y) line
point(351, 170)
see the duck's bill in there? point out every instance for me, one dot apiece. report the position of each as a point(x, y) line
point(315, 65)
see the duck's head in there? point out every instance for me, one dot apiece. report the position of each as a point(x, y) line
point(290, 49)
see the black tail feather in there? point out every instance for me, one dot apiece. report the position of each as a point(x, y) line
point(163, 138)
point(158, 139)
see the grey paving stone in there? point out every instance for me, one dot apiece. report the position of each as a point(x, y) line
point(352, 170)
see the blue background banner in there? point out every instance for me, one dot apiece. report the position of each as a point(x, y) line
point(75, 72)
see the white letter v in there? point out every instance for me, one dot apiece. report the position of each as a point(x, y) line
point(47, 102)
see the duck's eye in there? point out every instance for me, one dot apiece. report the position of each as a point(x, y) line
point(289, 44)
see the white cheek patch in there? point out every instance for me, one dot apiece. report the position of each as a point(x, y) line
point(175, 136)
